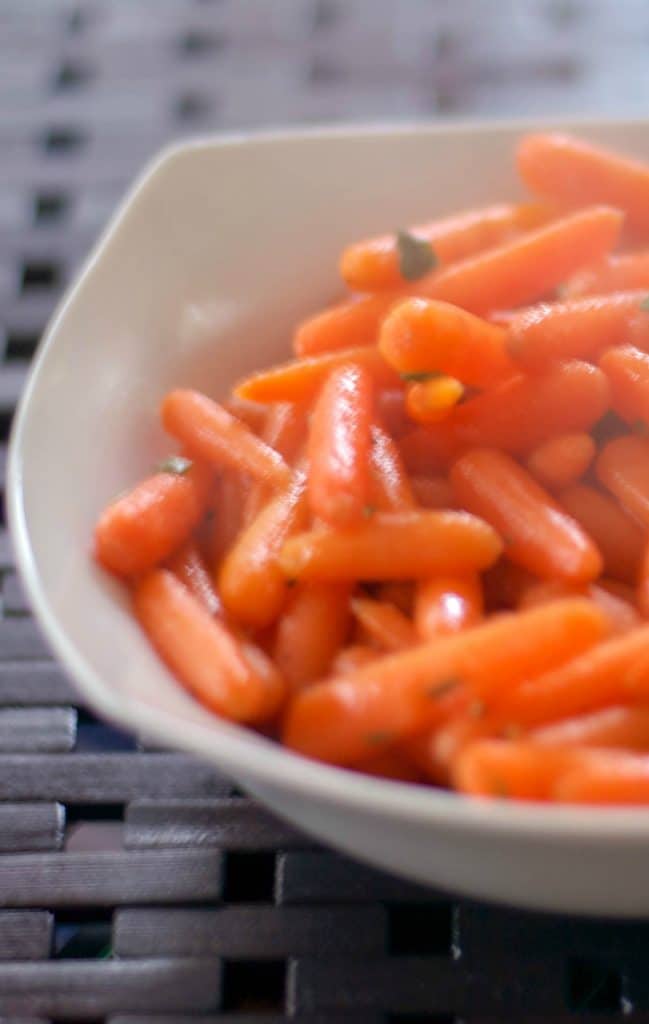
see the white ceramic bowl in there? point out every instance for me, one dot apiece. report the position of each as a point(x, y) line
point(218, 249)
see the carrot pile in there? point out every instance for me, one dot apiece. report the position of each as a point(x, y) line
point(420, 548)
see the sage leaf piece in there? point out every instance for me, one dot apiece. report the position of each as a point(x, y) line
point(416, 256)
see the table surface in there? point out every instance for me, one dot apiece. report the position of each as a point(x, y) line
point(137, 885)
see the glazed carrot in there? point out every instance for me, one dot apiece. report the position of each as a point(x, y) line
point(427, 451)
point(447, 605)
point(504, 585)
point(408, 545)
point(623, 468)
point(611, 727)
point(524, 270)
point(627, 369)
point(619, 610)
point(575, 329)
point(339, 447)
point(430, 401)
point(562, 460)
point(285, 431)
point(424, 336)
point(391, 411)
point(348, 719)
point(434, 752)
point(618, 537)
point(253, 414)
point(606, 777)
point(387, 627)
point(594, 680)
point(210, 433)
point(143, 527)
point(230, 676)
point(570, 171)
point(538, 534)
point(374, 264)
point(252, 585)
point(643, 583)
point(401, 594)
point(618, 272)
point(391, 765)
point(300, 379)
point(353, 657)
point(501, 768)
point(228, 515)
point(389, 488)
point(188, 565)
point(310, 631)
point(433, 491)
point(354, 322)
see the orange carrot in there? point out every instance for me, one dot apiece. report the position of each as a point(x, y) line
point(228, 515)
point(623, 468)
point(391, 765)
point(595, 680)
point(433, 491)
point(504, 585)
point(424, 336)
point(210, 433)
point(617, 536)
point(618, 272)
point(391, 411)
point(355, 322)
point(143, 527)
point(339, 447)
point(253, 414)
point(300, 379)
point(188, 565)
point(501, 768)
point(619, 610)
point(562, 460)
point(430, 401)
point(559, 167)
point(524, 270)
point(390, 488)
point(353, 657)
point(627, 369)
point(447, 605)
point(537, 533)
point(387, 627)
point(252, 585)
point(311, 630)
point(374, 264)
point(285, 432)
point(407, 545)
point(606, 777)
point(575, 329)
point(231, 676)
point(434, 752)
point(399, 593)
point(428, 451)
point(611, 727)
point(347, 719)
point(643, 583)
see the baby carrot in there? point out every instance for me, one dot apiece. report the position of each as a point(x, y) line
point(346, 719)
point(619, 609)
point(643, 583)
point(427, 450)
point(429, 401)
point(562, 460)
point(188, 565)
point(374, 264)
point(301, 379)
point(353, 322)
point(433, 491)
point(570, 171)
point(623, 468)
point(576, 328)
point(617, 535)
point(392, 764)
point(390, 488)
point(618, 272)
point(285, 431)
point(594, 680)
point(230, 676)
point(524, 270)
point(210, 433)
point(505, 584)
point(606, 777)
point(399, 593)
point(391, 411)
point(387, 627)
point(252, 585)
point(143, 527)
point(538, 534)
point(339, 447)
point(427, 336)
point(447, 605)
point(611, 727)
point(228, 515)
point(501, 768)
point(627, 369)
point(310, 631)
point(253, 414)
point(407, 545)
point(353, 657)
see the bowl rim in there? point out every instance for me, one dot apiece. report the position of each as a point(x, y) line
point(235, 748)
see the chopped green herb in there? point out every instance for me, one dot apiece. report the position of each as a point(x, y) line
point(644, 305)
point(419, 375)
point(369, 511)
point(416, 256)
point(175, 464)
point(379, 739)
point(441, 689)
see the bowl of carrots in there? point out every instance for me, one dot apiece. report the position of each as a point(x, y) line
point(333, 468)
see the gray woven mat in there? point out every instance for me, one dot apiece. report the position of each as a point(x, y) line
point(135, 885)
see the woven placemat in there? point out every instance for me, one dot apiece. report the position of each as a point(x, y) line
point(137, 885)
